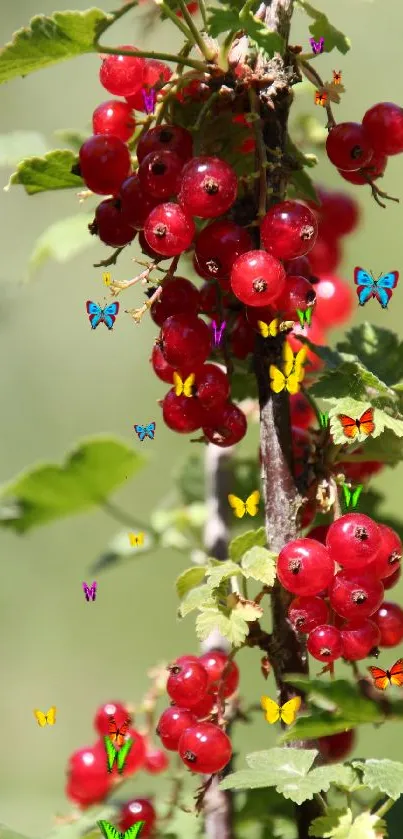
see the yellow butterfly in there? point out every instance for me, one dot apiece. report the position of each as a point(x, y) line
point(287, 712)
point(48, 718)
point(293, 371)
point(136, 539)
point(251, 505)
point(106, 278)
point(184, 387)
point(274, 327)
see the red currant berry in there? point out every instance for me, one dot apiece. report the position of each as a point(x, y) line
point(122, 75)
point(147, 250)
point(209, 300)
point(208, 187)
point(305, 613)
point(215, 662)
point(297, 293)
point(185, 339)
point(339, 212)
point(182, 414)
point(136, 757)
point(138, 810)
point(156, 761)
point(348, 146)
point(218, 246)
point(324, 643)
point(226, 425)
point(165, 371)
point(196, 90)
point(319, 533)
point(300, 267)
point(204, 707)
point(155, 72)
point(390, 553)
point(359, 638)
point(212, 387)
point(334, 301)
point(134, 204)
point(159, 174)
point(302, 414)
point(114, 117)
point(88, 779)
point(389, 582)
point(172, 723)
point(205, 748)
point(383, 124)
point(304, 567)
point(257, 278)
point(336, 747)
point(353, 540)
point(325, 256)
point(375, 169)
point(103, 714)
point(355, 595)
point(110, 226)
point(389, 619)
point(187, 683)
point(168, 138)
point(168, 230)
point(288, 230)
point(178, 295)
point(242, 338)
point(104, 163)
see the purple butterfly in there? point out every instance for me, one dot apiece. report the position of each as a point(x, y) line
point(149, 100)
point(90, 591)
point(317, 46)
point(218, 332)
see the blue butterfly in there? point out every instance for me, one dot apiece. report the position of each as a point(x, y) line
point(369, 287)
point(98, 315)
point(145, 431)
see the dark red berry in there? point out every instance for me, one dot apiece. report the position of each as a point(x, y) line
point(226, 425)
point(215, 663)
point(389, 582)
point(155, 72)
point(217, 247)
point(169, 230)
point(205, 748)
point(110, 225)
point(301, 411)
point(178, 295)
point(185, 339)
point(208, 187)
point(187, 683)
point(359, 638)
point(212, 387)
point(336, 747)
point(288, 230)
point(389, 619)
point(324, 643)
point(389, 555)
point(307, 612)
point(339, 213)
point(104, 163)
point(135, 205)
point(334, 301)
point(159, 174)
point(325, 256)
point(88, 780)
point(166, 137)
point(138, 810)
point(297, 293)
point(355, 595)
point(242, 338)
point(114, 117)
point(374, 170)
point(348, 146)
point(171, 725)
point(181, 413)
point(110, 709)
point(353, 540)
point(383, 124)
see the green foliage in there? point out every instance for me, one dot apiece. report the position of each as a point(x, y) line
point(91, 472)
point(264, 812)
point(378, 349)
point(231, 625)
point(73, 139)
point(189, 478)
point(18, 144)
point(222, 20)
point(189, 579)
point(300, 185)
point(243, 543)
point(385, 775)
point(177, 527)
point(269, 42)
point(53, 171)
point(340, 824)
point(62, 241)
point(260, 564)
point(353, 408)
point(334, 39)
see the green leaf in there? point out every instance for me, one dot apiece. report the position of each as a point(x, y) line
point(62, 241)
point(120, 549)
point(346, 376)
point(339, 824)
point(225, 19)
point(196, 598)
point(48, 40)
point(259, 34)
point(189, 478)
point(238, 546)
point(325, 824)
point(302, 186)
point(222, 572)
point(18, 144)
point(385, 775)
point(378, 349)
point(334, 39)
point(232, 626)
point(260, 564)
point(93, 469)
point(41, 174)
point(189, 579)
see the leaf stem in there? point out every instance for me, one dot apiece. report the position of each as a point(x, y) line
point(384, 808)
point(177, 21)
point(309, 71)
point(163, 56)
point(205, 50)
point(203, 12)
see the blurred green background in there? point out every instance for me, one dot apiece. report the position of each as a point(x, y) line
point(61, 382)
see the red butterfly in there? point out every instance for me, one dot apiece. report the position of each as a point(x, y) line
point(365, 424)
point(382, 678)
point(117, 735)
point(336, 77)
point(320, 98)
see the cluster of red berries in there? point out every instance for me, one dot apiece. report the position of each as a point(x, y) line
point(369, 555)
point(197, 687)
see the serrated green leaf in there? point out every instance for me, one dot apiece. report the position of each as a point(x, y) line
point(48, 40)
point(62, 241)
point(346, 376)
point(189, 579)
point(385, 775)
point(323, 825)
point(268, 41)
point(120, 549)
point(196, 598)
point(238, 546)
point(43, 174)
point(233, 627)
point(91, 472)
point(339, 824)
point(260, 564)
point(322, 28)
point(222, 572)
point(225, 19)
point(19, 144)
point(247, 610)
point(378, 349)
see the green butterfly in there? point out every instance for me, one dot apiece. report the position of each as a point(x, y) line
point(351, 496)
point(323, 419)
point(305, 316)
point(110, 831)
point(120, 755)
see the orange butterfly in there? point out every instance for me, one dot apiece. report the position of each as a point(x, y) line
point(336, 77)
point(383, 677)
point(117, 735)
point(320, 98)
point(352, 427)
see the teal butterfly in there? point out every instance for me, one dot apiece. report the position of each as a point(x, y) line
point(110, 831)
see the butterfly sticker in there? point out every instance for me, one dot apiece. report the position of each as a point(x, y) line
point(136, 539)
point(320, 98)
point(107, 278)
point(368, 287)
point(218, 332)
point(382, 678)
point(97, 315)
point(351, 496)
point(272, 329)
point(110, 831)
point(336, 77)
point(149, 100)
point(317, 46)
point(250, 506)
point(46, 719)
point(305, 316)
point(117, 735)
point(287, 713)
point(293, 371)
point(185, 387)
point(365, 424)
point(144, 431)
point(323, 419)
point(90, 591)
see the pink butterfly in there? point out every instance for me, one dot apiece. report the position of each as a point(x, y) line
point(218, 332)
point(317, 46)
point(90, 591)
point(149, 100)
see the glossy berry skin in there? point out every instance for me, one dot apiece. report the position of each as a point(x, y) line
point(389, 619)
point(355, 595)
point(339, 213)
point(205, 748)
point(325, 256)
point(122, 75)
point(209, 301)
point(288, 230)
point(178, 295)
point(171, 725)
point(156, 761)
point(334, 301)
point(104, 163)
point(359, 638)
point(242, 338)
point(185, 339)
point(203, 708)
point(110, 226)
point(348, 146)
point(212, 387)
point(389, 582)
point(302, 413)
point(225, 426)
point(218, 246)
point(374, 170)
point(166, 137)
point(103, 714)
point(383, 124)
point(336, 747)
point(353, 540)
point(182, 414)
point(297, 293)
point(159, 174)
point(138, 810)
point(215, 663)
point(154, 71)
point(165, 371)
point(324, 643)
point(187, 683)
point(305, 613)
point(88, 780)
point(209, 187)
point(304, 567)
point(169, 230)
point(114, 117)
point(257, 278)
point(389, 555)
point(135, 205)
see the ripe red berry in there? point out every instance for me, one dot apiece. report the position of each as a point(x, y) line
point(324, 643)
point(209, 300)
point(165, 371)
point(110, 226)
point(208, 187)
point(171, 725)
point(104, 163)
point(114, 117)
point(217, 247)
point(257, 278)
point(383, 124)
point(135, 205)
point(304, 567)
point(359, 638)
point(305, 613)
point(181, 413)
point(353, 540)
point(334, 301)
point(212, 387)
point(374, 170)
point(88, 780)
point(215, 663)
point(301, 411)
point(355, 594)
point(178, 295)
point(122, 75)
point(155, 72)
point(389, 582)
point(159, 174)
point(185, 339)
point(187, 683)
point(348, 146)
point(390, 553)
point(110, 709)
point(204, 707)
point(300, 267)
point(138, 810)
point(339, 213)
point(297, 293)
point(226, 425)
point(325, 256)
point(288, 230)
point(242, 338)
point(169, 230)
point(319, 533)
point(156, 760)
point(389, 619)
point(168, 138)
point(205, 748)
point(136, 757)
point(336, 747)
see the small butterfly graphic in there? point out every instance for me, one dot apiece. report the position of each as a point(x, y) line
point(117, 734)
point(382, 678)
point(293, 372)
point(305, 316)
point(336, 77)
point(185, 387)
point(149, 100)
point(320, 98)
point(218, 332)
point(365, 424)
point(351, 496)
point(46, 719)
point(90, 591)
point(111, 832)
point(323, 419)
point(145, 431)
point(97, 315)
point(286, 713)
point(107, 278)
point(317, 46)
point(136, 539)
point(368, 287)
point(272, 329)
point(250, 506)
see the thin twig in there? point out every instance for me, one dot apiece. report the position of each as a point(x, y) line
point(116, 286)
point(111, 260)
point(309, 71)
